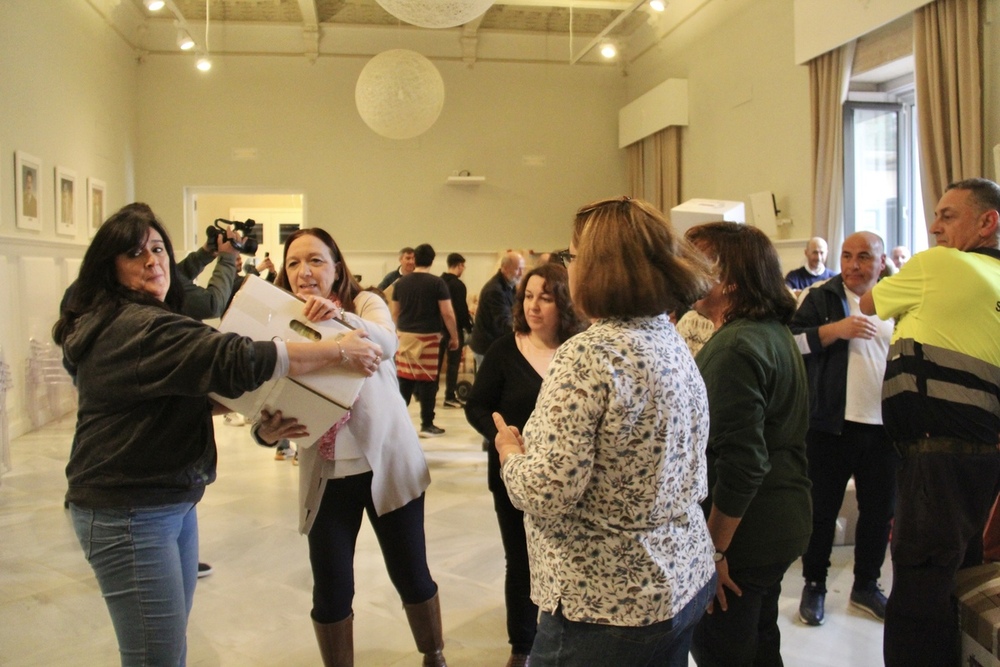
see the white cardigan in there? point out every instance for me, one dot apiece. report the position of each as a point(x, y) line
point(379, 436)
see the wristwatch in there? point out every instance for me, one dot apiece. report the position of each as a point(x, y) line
point(719, 556)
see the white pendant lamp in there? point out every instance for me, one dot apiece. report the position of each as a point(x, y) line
point(436, 13)
point(399, 94)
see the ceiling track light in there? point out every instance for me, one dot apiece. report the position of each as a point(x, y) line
point(657, 5)
point(154, 5)
point(204, 64)
point(184, 40)
point(609, 50)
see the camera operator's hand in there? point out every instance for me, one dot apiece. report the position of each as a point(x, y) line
point(273, 428)
point(227, 246)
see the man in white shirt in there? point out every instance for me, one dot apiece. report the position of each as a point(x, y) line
point(845, 354)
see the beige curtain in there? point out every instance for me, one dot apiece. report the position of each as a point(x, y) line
point(829, 77)
point(635, 172)
point(667, 168)
point(949, 95)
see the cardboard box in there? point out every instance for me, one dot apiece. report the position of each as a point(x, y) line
point(978, 593)
point(318, 399)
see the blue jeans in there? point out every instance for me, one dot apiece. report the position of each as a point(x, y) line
point(564, 643)
point(146, 563)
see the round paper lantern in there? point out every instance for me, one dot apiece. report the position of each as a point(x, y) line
point(399, 94)
point(436, 13)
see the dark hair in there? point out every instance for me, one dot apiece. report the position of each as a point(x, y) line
point(631, 263)
point(557, 284)
point(454, 259)
point(423, 255)
point(345, 288)
point(985, 193)
point(97, 287)
point(749, 270)
point(405, 251)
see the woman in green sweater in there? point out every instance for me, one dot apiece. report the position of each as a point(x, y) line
point(758, 508)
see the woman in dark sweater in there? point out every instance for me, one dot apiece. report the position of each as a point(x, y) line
point(508, 382)
point(759, 508)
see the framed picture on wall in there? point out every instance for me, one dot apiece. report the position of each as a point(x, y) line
point(27, 186)
point(65, 201)
point(96, 191)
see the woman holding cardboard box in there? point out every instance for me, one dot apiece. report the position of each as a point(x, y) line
point(369, 463)
point(144, 448)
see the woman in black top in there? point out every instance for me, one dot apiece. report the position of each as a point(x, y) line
point(508, 382)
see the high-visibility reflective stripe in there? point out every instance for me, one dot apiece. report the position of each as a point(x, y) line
point(955, 393)
point(962, 362)
point(899, 384)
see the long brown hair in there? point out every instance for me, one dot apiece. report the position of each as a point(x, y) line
point(344, 288)
point(749, 269)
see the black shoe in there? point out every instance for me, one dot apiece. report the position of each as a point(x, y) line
point(871, 599)
point(430, 431)
point(811, 607)
point(453, 403)
point(204, 569)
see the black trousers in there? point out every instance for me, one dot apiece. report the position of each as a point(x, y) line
point(942, 507)
point(865, 452)
point(426, 391)
point(522, 613)
point(454, 361)
point(334, 535)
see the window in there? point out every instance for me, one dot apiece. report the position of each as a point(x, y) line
point(881, 178)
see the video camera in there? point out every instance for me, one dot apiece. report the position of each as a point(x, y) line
point(247, 245)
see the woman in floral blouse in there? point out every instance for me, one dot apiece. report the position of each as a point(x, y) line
point(610, 468)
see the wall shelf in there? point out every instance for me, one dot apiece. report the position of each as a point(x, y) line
point(466, 180)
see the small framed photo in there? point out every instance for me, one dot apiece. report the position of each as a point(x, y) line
point(65, 201)
point(27, 186)
point(96, 191)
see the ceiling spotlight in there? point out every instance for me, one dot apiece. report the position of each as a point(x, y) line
point(184, 40)
point(154, 5)
point(609, 50)
point(204, 64)
point(657, 5)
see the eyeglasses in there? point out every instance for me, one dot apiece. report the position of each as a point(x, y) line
point(565, 256)
point(624, 202)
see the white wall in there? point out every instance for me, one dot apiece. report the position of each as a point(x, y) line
point(67, 96)
point(749, 120)
point(373, 193)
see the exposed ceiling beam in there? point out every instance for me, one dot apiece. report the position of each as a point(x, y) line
point(310, 28)
point(470, 40)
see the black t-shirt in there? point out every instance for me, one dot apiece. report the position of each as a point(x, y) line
point(418, 295)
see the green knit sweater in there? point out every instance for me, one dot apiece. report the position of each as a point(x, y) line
point(757, 469)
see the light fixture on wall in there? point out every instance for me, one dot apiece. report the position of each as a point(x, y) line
point(436, 13)
point(184, 40)
point(154, 5)
point(399, 94)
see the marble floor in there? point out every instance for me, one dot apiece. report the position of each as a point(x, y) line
point(254, 609)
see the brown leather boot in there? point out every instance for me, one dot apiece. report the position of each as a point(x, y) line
point(336, 642)
point(425, 624)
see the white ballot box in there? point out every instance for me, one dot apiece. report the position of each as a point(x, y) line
point(318, 399)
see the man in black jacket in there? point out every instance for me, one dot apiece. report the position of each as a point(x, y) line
point(845, 354)
point(494, 314)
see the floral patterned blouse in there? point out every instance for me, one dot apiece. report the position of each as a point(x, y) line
point(612, 474)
